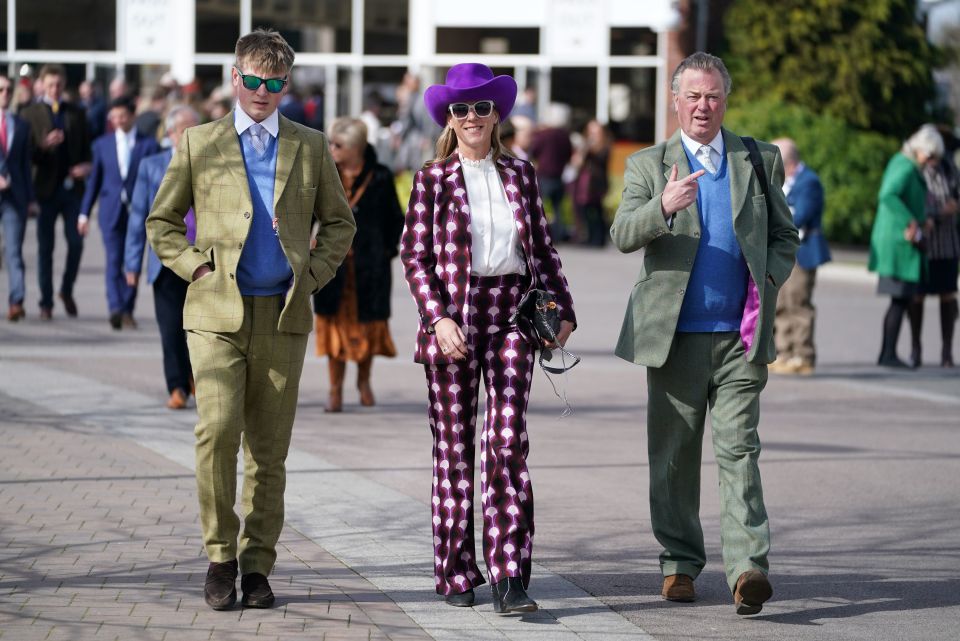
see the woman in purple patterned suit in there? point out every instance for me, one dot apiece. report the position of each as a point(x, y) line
point(475, 241)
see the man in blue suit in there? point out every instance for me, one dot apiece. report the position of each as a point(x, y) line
point(796, 353)
point(169, 290)
point(116, 158)
point(16, 195)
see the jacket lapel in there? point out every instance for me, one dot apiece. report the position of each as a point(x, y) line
point(510, 178)
point(228, 144)
point(740, 169)
point(687, 220)
point(288, 143)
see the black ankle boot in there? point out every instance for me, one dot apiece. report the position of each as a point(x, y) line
point(915, 314)
point(461, 599)
point(948, 318)
point(509, 596)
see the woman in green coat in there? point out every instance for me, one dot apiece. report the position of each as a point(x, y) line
point(896, 237)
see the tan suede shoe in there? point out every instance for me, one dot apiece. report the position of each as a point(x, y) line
point(753, 590)
point(678, 587)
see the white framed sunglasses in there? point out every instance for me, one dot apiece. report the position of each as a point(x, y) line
point(460, 110)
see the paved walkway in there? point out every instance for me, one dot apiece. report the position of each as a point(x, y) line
point(98, 520)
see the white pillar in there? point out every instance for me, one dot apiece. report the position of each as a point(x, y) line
point(246, 17)
point(355, 93)
point(330, 90)
point(183, 45)
point(603, 94)
point(12, 39)
point(660, 104)
point(421, 34)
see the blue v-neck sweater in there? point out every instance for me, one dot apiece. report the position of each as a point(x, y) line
point(263, 269)
point(717, 289)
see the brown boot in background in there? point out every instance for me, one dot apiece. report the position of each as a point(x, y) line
point(678, 587)
point(363, 382)
point(337, 369)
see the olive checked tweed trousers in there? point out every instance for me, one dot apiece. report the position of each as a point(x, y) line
point(706, 370)
point(502, 358)
point(247, 385)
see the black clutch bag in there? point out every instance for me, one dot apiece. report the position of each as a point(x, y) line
point(538, 319)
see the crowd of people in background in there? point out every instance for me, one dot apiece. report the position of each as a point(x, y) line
point(53, 131)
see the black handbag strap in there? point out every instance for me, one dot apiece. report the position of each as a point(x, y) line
point(757, 161)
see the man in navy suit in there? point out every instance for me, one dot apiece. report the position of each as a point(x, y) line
point(116, 158)
point(16, 195)
point(169, 290)
point(796, 353)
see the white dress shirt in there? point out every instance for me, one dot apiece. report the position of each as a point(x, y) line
point(125, 143)
point(716, 147)
point(242, 122)
point(495, 248)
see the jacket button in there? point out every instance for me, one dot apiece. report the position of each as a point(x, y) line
point(240, 246)
point(696, 234)
point(689, 262)
point(246, 214)
point(680, 292)
point(231, 278)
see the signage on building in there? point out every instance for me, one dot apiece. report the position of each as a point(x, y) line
point(148, 26)
point(577, 30)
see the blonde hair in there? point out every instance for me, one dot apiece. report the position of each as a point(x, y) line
point(265, 50)
point(353, 130)
point(447, 143)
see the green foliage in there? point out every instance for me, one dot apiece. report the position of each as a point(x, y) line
point(850, 162)
point(866, 62)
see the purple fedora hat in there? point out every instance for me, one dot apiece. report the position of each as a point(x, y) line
point(470, 82)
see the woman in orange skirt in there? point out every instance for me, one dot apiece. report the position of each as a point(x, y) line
point(352, 310)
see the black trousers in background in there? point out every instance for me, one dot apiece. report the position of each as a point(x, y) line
point(169, 293)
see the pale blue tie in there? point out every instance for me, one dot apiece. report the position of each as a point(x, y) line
point(257, 133)
point(703, 155)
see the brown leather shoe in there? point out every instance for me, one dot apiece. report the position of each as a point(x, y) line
point(69, 305)
point(753, 590)
point(16, 312)
point(177, 400)
point(678, 587)
point(128, 321)
point(46, 314)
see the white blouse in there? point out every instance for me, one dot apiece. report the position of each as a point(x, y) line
point(496, 246)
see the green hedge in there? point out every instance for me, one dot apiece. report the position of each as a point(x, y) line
point(850, 162)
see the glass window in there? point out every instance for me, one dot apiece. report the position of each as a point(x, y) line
point(489, 40)
point(218, 25)
point(84, 25)
point(632, 41)
point(385, 27)
point(576, 87)
point(633, 95)
point(3, 25)
point(310, 26)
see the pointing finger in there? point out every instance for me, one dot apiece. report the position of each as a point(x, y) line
point(673, 173)
point(692, 177)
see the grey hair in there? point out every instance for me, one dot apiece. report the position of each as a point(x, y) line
point(353, 130)
point(703, 62)
point(171, 121)
point(925, 140)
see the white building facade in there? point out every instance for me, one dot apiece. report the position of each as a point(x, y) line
point(605, 58)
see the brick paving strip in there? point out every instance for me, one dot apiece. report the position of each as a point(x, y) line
point(355, 562)
point(99, 540)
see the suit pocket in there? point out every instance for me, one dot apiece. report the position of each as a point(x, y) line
point(308, 197)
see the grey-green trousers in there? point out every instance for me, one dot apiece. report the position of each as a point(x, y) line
point(706, 371)
point(247, 384)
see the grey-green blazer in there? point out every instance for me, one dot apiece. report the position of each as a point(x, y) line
point(208, 174)
point(767, 239)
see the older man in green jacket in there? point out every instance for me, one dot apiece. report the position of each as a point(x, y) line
point(716, 251)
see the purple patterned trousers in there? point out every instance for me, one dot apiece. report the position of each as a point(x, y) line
point(504, 360)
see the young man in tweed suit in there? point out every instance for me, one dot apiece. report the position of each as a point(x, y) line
point(256, 182)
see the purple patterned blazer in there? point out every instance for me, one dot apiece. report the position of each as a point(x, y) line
point(436, 245)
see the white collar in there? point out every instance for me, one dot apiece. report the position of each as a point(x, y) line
point(693, 146)
point(466, 162)
point(130, 135)
point(242, 121)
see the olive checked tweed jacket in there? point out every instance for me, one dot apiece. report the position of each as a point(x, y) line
point(208, 174)
point(768, 240)
point(436, 245)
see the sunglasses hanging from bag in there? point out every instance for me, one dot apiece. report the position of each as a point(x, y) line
point(538, 319)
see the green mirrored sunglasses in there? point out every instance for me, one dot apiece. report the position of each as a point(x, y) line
point(251, 82)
